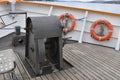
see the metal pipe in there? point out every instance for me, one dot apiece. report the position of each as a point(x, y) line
point(8, 24)
point(17, 29)
point(12, 3)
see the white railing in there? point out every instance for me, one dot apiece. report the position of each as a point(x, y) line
point(82, 28)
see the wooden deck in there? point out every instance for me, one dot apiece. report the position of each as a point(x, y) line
point(91, 62)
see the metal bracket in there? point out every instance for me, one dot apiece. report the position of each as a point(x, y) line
point(65, 39)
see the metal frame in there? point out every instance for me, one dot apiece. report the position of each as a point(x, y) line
point(38, 37)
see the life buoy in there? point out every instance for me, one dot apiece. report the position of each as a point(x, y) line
point(73, 23)
point(105, 37)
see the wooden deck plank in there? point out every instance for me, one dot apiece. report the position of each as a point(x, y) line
point(81, 74)
point(7, 76)
point(92, 67)
point(43, 77)
point(49, 77)
point(86, 72)
point(71, 74)
point(97, 70)
point(110, 59)
point(75, 74)
point(79, 62)
point(37, 78)
point(22, 70)
point(18, 74)
point(104, 67)
point(91, 62)
point(84, 67)
point(2, 77)
point(55, 77)
point(105, 56)
point(67, 77)
point(60, 76)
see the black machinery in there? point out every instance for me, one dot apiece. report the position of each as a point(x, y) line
point(44, 44)
point(18, 37)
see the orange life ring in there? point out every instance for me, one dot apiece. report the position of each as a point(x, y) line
point(105, 37)
point(73, 23)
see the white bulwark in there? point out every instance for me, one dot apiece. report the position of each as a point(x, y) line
point(81, 32)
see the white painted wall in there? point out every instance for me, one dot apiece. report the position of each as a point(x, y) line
point(39, 10)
